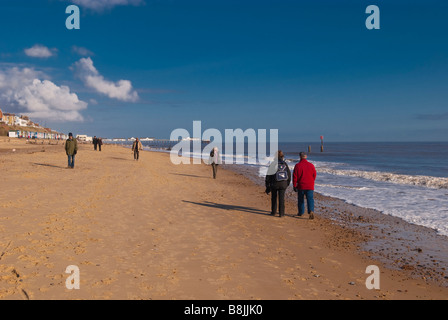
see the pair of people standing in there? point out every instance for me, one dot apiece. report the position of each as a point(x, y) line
point(97, 143)
point(278, 179)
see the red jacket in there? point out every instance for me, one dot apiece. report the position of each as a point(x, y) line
point(304, 175)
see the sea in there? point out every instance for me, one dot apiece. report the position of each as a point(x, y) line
point(408, 180)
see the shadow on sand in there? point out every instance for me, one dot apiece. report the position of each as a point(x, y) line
point(190, 175)
point(229, 207)
point(48, 165)
point(122, 159)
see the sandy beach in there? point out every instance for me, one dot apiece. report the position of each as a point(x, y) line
point(154, 230)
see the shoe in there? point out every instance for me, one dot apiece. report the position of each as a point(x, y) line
point(311, 215)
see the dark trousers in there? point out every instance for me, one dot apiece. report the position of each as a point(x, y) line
point(95, 146)
point(136, 154)
point(280, 195)
point(215, 170)
point(71, 161)
point(99, 146)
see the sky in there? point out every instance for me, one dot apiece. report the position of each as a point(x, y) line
point(143, 68)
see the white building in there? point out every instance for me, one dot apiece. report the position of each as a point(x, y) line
point(83, 137)
point(21, 122)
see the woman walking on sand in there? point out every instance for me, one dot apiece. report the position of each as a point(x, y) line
point(215, 160)
point(277, 181)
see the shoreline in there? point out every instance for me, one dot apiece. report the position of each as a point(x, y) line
point(153, 230)
point(416, 249)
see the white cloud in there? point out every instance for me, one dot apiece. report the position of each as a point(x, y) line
point(39, 51)
point(22, 91)
point(121, 90)
point(82, 51)
point(101, 5)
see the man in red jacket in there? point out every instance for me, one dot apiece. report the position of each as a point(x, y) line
point(303, 183)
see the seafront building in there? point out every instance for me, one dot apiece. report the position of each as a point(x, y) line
point(22, 127)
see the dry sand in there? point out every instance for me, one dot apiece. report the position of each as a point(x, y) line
point(153, 230)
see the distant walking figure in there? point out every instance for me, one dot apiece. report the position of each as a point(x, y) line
point(95, 143)
point(71, 149)
point(136, 147)
point(215, 161)
point(277, 181)
point(303, 182)
point(100, 143)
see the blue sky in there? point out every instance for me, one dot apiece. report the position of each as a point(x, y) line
point(308, 68)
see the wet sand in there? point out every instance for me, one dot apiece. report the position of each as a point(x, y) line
point(153, 230)
point(397, 243)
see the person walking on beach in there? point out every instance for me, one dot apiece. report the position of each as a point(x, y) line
point(71, 149)
point(215, 161)
point(100, 143)
point(136, 147)
point(95, 143)
point(277, 181)
point(303, 182)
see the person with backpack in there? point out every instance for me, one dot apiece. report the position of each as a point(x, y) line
point(215, 160)
point(303, 182)
point(277, 181)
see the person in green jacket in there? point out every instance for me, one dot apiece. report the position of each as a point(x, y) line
point(71, 148)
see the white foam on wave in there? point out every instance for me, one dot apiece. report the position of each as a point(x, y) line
point(415, 204)
point(424, 181)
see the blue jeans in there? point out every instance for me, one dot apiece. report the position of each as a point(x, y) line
point(71, 161)
point(309, 194)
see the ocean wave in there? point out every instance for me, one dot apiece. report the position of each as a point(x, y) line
point(423, 181)
point(343, 187)
point(330, 168)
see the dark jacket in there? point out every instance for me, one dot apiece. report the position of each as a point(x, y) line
point(272, 183)
point(71, 147)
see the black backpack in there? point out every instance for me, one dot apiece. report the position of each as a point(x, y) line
point(282, 172)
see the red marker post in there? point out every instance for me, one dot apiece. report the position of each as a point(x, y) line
point(321, 143)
